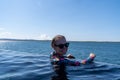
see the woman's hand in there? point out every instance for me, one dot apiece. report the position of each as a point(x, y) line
point(92, 55)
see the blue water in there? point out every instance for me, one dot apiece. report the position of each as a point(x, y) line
point(29, 60)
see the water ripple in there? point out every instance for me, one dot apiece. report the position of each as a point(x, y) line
point(16, 65)
point(23, 66)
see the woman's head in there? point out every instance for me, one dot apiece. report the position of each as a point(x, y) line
point(59, 44)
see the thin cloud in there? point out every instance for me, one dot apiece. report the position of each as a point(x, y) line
point(5, 34)
point(1, 29)
point(43, 37)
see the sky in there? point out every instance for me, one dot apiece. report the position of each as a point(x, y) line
point(77, 20)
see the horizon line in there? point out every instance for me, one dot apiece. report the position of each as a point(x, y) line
point(12, 39)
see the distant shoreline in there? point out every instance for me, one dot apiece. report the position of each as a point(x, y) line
point(21, 40)
point(49, 40)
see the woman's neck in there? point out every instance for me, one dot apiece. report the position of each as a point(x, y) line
point(58, 54)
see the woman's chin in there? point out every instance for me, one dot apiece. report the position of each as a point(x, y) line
point(63, 53)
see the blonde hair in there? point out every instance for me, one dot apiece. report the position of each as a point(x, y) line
point(57, 37)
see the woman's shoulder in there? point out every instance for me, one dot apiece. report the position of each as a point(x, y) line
point(52, 54)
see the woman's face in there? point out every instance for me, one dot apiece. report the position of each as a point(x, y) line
point(61, 46)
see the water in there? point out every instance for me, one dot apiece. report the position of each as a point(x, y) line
point(29, 60)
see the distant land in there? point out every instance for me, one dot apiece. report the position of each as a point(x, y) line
point(6, 39)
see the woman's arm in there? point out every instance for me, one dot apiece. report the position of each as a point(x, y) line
point(57, 61)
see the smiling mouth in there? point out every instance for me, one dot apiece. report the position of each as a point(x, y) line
point(63, 51)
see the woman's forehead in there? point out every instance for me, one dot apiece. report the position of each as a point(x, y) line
point(61, 41)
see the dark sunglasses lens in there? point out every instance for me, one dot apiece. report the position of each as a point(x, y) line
point(67, 45)
point(61, 46)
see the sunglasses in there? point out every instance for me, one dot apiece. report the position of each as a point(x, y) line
point(61, 46)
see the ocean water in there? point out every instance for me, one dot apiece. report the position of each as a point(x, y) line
point(29, 60)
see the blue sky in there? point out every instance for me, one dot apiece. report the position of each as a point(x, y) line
point(79, 20)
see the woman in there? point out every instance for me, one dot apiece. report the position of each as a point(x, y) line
point(59, 60)
point(60, 46)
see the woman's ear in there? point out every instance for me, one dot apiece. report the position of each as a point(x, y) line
point(53, 46)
